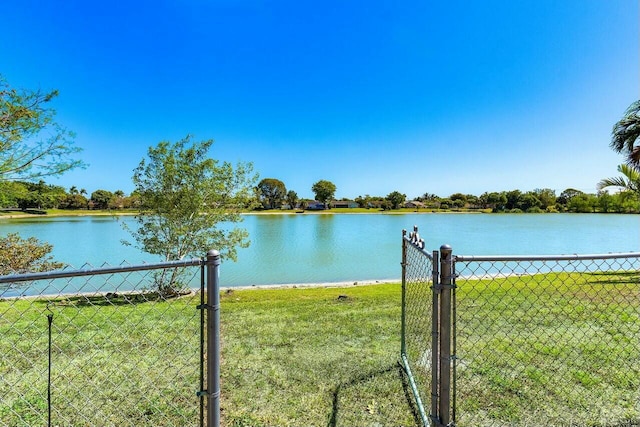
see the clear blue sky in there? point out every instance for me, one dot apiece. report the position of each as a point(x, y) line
point(375, 96)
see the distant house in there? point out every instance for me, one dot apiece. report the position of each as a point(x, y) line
point(414, 204)
point(315, 205)
point(344, 204)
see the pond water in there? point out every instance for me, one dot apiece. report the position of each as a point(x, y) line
point(308, 248)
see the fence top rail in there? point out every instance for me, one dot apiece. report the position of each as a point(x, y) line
point(568, 257)
point(59, 274)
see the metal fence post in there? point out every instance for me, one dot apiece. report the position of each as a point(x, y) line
point(445, 333)
point(435, 337)
point(213, 339)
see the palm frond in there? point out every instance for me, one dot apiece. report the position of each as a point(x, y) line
point(630, 181)
point(617, 181)
point(625, 136)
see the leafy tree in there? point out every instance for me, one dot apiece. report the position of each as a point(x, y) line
point(583, 203)
point(131, 201)
point(460, 200)
point(11, 192)
point(74, 201)
point(431, 200)
point(625, 138)
point(32, 144)
point(368, 201)
point(324, 191)
point(272, 192)
point(292, 199)
point(568, 194)
point(19, 255)
point(362, 201)
point(497, 201)
point(396, 199)
point(627, 202)
point(41, 196)
point(458, 196)
point(183, 195)
point(445, 203)
point(513, 199)
point(529, 202)
point(458, 203)
point(630, 181)
point(546, 196)
point(605, 201)
point(428, 197)
point(101, 199)
point(473, 201)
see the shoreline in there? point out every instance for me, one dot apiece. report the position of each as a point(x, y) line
point(256, 213)
point(64, 214)
point(335, 211)
point(223, 289)
point(344, 284)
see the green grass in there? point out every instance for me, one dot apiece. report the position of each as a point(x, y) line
point(112, 363)
point(312, 357)
point(533, 350)
point(555, 347)
point(290, 357)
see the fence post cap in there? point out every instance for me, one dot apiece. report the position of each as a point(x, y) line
point(213, 254)
point(446, 248)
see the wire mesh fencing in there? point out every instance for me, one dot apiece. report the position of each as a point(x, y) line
point(110, 346)
point(549, 341)
point(539, 340)
point(417, 323)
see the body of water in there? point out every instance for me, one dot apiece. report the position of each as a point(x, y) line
point(305, 248)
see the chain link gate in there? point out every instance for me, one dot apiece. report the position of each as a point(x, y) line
point(521, 340)
point(426, 327)
point(72, 354)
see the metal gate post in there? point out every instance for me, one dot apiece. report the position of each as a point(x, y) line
point(213, 339)
point(445, 333)
point(435, 338)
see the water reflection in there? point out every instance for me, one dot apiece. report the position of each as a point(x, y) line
point(323, 243)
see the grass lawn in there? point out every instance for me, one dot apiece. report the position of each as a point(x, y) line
point(528, 347)
point(555, 347)
point(289, 357)
point(313, 357)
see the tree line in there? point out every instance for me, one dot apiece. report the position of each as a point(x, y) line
point(272, 193)
point(41, 196)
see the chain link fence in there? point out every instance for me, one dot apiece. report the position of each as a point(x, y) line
point(110, 346)
point(417, 351)
point(547, 340)
point(539, 340)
